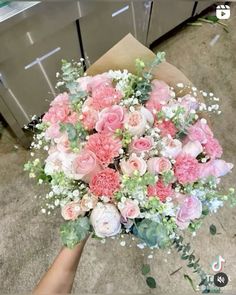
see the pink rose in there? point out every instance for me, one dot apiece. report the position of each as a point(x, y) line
point(213, 148)
point(84, 166)
point(186, 169)
point(193, 148)
point(98, 81)
point(63, 143)
point(105, 183)
point(136, 122)
point(110, 119)
point(158, 165)
point(71, 211)
point(142, 144)
point(189, 210)
point(159, 96)
point(171, 147)
point(105, 96)
point(61, 100)
point(167, 128)
point(134, 163)
point(200, 131)
point(215, 168)
point(53, 132)
point(129, 209)
point(104, 146)
point(160, 190)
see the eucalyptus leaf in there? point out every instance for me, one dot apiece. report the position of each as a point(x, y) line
point(187, 277)
point(145, 269)
point(151, 282)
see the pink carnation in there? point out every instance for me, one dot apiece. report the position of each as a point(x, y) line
point(104, 146)
point(186, 168)
point(160, 190)
point(105, 96)
point(200, 131)
point(167, 128)
point(213, 148)
point(57, 114)
point(105, 183)
point(61, 100)
point(73, 118)
point(89, 118)
point(98, 81)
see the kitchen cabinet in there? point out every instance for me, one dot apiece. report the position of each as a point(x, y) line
point(202, 5)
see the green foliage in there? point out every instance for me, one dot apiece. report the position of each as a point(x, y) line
point(145, 269)
point(125, 135)
point(167, 177)
point(151, 282)
point(131, 183)
point(212, 229)
point(187, 277)
point(73, 232)
point(152, 233)
point(74, 132)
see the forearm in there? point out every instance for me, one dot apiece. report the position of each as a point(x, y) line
point(60, 277)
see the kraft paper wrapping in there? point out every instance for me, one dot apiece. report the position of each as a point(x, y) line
point(122, 56)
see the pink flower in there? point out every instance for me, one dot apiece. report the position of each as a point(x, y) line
point(142, 144)
point(110, 119)
point(136, 122)
point(200, 131)
point(88, 202)
point(53, 132)
point(189, 102)
point(71, 211)
point(84, 166)
point(89, 118)
point(215, 168)
point(159, 96)
point(61, 100)
point(56, 114)
point(98, 81)
point(189, 210)
point(134, 163)
point(105, 183)
point(193, 148)
point(104, 146)
point(160, 190)
point(83, 83)
point(105, 96)
point(213, 148)
point(63, 143)
point(73, 118)
point(167, 128)
point(106, 220)
point(158, 165)
point(186, 169)
point(171, 147)
point(54, 163)
point(129, 209)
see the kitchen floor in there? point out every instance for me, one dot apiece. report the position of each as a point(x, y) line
point(29, 241)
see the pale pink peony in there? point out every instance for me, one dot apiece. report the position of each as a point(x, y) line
point(129, 210)
point(200, 131)
point(105, 96)
point(106, 220)
point(63, 143)
point(85, 165)
point(53, 131)
point(110, 119)
point(167, 128)
point(158, 165)
point(104, 146)
point(105, 183)
point(71, 210)
point(171, 147)
point(212, 148)
point(189, 210)
point(193, 148)
point(98, 81)
point(216, 168)
point(159, 96)
point(134, 163)
point(186, 169)
point(160, 190)
point(142, 144)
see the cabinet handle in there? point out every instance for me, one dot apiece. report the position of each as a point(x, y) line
point(119, 11)
point(43, 57)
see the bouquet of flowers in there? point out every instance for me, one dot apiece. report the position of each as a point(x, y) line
point(127, 153)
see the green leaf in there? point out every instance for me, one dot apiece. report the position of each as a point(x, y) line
point(187, 278)
point(73, 232)
point(151, 282)
point(212, 229)
point(212, 18)
point(145, 269)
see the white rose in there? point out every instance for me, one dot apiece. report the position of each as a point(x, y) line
point(171, 147)
point(105, 219)
point(193, 148)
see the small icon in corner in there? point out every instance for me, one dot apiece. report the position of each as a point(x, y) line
point(223, 11)
point(221, 279)
point(218, 264)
